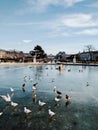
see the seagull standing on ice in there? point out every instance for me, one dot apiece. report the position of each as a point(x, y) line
point(14, 104)
point(6, 98)
point(27, 111)
point(12, 90)
point(1, 113)
point(51, 113)
point(41, 103)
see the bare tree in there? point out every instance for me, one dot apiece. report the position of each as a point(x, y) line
point(90, 49)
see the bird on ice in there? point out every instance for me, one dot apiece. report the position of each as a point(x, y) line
point(54, 88)
point(34, 87)
point(27, 111)
point(23, 87)
point(35, 84)
point(87, 84)
point(68, 97)
point(51, 113)
point(57, 99)
point(58, 92)
point(14, 104)
point(6, 98)
point(12, 90)
point(41, 103)
point(1, 113)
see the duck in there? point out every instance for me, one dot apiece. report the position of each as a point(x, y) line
point(35, 84)
point(68, 97)
point(58, 92)
point(23, 87)
point(34, 87)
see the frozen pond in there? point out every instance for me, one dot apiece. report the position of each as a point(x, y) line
point(80, 82)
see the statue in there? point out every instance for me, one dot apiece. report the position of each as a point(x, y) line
point(74, 59)
point(34, 59)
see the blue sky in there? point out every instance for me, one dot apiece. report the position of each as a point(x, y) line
point(55, 25)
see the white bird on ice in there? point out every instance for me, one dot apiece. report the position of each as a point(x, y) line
point(41, 103)
point(14, 104)
point(51, 113)
point(27, 111)
point(12, 90)
point(6, 98)
point(57, 99)
point(1, 113)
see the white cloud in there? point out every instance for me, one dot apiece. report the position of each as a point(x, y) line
point(27, 41)
point(71, 2)
point(88, 32)
point(72, 24)
point(41, 5)
point(79, 20)
point(64, 25)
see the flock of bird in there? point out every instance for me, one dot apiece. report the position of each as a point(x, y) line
point(58, 96)
point(8, 98)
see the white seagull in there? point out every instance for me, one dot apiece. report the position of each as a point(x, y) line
point(12, 90)
point(41, 103)
point(6, 98)
point(51, 113)
point(27, 111)
point(1, 113)
point(14, 104)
